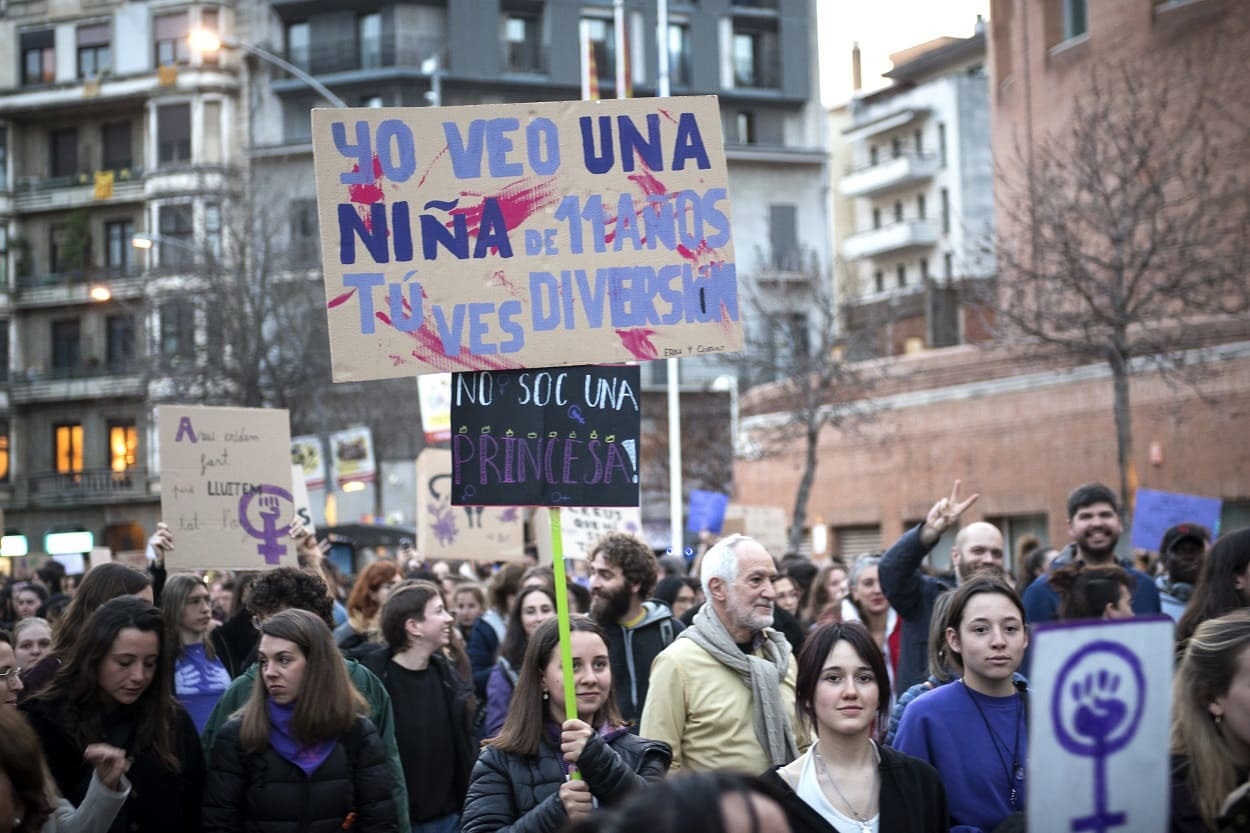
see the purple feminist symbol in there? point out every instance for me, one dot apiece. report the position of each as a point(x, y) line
point(1096, 706)
point(271, 510)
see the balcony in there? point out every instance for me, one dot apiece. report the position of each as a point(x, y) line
point(53, 489)
point(32, 193)
point(897, 172)
point(91, 380)
point(910, 234)
point(54, 289)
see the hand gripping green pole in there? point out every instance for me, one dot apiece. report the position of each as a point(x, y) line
point(562, 614)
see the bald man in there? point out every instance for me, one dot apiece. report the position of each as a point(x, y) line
point(911, 592)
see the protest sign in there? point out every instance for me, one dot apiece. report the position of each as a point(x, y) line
point(766, 524)
point(494, 237)
point(582, 526)
point(306, 454)
point(471, 533)
point(1099, 721)
point(226, 487)
point(706, 511)
point(299, 497)
point(561, 437)
point(1157, 512)
point(434, 395)
point(353, 455)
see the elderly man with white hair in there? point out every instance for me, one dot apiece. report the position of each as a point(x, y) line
point(722, 695)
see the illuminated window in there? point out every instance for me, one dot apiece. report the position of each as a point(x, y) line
point(68, 450)
point(4, 451)
point(123, 445)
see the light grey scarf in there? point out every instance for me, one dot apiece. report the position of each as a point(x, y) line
point(763, 675)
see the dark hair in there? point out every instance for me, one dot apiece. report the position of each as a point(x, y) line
point(54, 608)
point(328, 704)
point(6, 637)
point(290, 587)
point(815, 651)
point(38, 589)
point(99, 584)
point(515, 639)
point(688, 802)
point(407, 601)
point(1085, 590)
point(22, 762)
point(632, 557)
point(1032, 566)
point(51, 573)
point(243, 583)
point(174, 595)
point(505, 584)
point(372, 577)
point(541, 573)
point(468, 585)
point(817, 596)
point(77, 680)
point(1215, 593)
point(667, 589)
point(981, 581)
point(522, 729)
point(1089, 494)
point(581, 597)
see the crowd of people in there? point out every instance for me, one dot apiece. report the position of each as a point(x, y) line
point(740, 692)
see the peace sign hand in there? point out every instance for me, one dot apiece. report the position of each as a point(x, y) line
point(943, 515)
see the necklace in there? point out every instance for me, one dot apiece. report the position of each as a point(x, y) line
point(1014, 774)
point(860, 817)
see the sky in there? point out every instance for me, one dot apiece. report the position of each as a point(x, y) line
point(882, 27)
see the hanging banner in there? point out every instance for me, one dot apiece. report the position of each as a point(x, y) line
point(495, 237)
point(226, 487)
point(469, 533)
point(561, 437)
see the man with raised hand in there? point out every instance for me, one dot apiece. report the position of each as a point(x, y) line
point(722, 695)
point(912, 593)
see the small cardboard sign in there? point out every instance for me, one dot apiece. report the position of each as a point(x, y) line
point(706, 511)
point(552, 437)
point(1100, 711)
point(470, 533)
point(226, 487)
point(434, 394)
point(766, 524)
point(1156, 512)
point(299, 496)
point(495, 237)
point(581, 527)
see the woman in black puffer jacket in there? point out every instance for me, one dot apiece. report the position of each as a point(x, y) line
point(301, 757)
point(521, 781)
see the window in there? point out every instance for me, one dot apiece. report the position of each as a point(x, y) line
point(850, 541)
point(902, 275)
point(896, 147)
point(66, 347)
point(876, 218)
point(369, 40)
point(679, 71)
point(800, 344)
point(898, 211)
point(174, 224)
point(123, 445)
point(948, 264)
point(212, 229)
point(120, 343)
point(924, 269)
point(118, 252)
point(208, 22)
point(95, 53)
point(4, 351)
point(178, 329)
point(38, 57)
point(4, 157)
point(602, 36)
point(872, 155)
point(745, 127)
point(303, 223)
point(942, 144)
point(173, 134)
point(946, 211)
point(919, 141)
point(878, 280)
point(4, 256)
point(754, 55)
point(920, 206)
point(210, 135)
point(59, 255)
point(115, 140)
point(63, 152)
point(298, 45)
point(4, 451)
point(67, 447)
point(522, 44)
point(746, 70)
point(171, 39)
point(1075, 23)
point(783, 235)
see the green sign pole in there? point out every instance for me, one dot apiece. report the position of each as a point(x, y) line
point(562, 614)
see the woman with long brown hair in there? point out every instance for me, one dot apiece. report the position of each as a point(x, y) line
point(520, 783)
point(200, 678)
point(300, 755)
point(532, 607)
point(369, 593)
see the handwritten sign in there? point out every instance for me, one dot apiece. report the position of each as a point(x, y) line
point(494, 237)
point(581, 527)
point(1098, 735)
point(299, 498)
point(226, 487)
point(1157, 512)
point(766, 524)
point(706, 511)
point(470, 533)
point(557, 437)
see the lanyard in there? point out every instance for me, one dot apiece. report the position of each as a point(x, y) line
point(1015, 774)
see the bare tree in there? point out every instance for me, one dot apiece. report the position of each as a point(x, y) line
point(1126, 238)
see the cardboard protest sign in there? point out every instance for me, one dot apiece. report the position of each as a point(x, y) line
point(353, 455)
point(581, 527)
point(560, 437)
point(706, 511)
point(494, 237)
point(306, 454)
point(434, 395)
point(471, 533)
point(226, 487)
point(299, 497)
point(1099, 717)
point(1157, 512)
point(766, 524)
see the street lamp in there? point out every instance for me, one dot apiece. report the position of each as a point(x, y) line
point(207, 42)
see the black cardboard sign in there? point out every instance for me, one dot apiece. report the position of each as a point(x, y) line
point(546, 437)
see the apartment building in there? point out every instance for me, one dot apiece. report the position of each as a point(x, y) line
point(111, 126)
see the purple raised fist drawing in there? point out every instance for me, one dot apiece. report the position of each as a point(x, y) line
point(272, 503)
point(1100, 712)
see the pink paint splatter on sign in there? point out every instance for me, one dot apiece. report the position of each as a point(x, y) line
point(666, 114)
point(638, 342)
point(517, 202)
point(648, 183)
point(433, 161)
point(341, 299)
point(366, 194)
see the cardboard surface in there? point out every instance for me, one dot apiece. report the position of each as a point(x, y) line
point(434, 394)
point(299, 497)
point(524, 235)
point(471, 533)
point(226, 487)
point(582, 526)
point(766, 524)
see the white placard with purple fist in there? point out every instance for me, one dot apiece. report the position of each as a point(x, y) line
point(1100, 708)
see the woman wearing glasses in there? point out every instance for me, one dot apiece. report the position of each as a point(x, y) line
point(200, 678)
